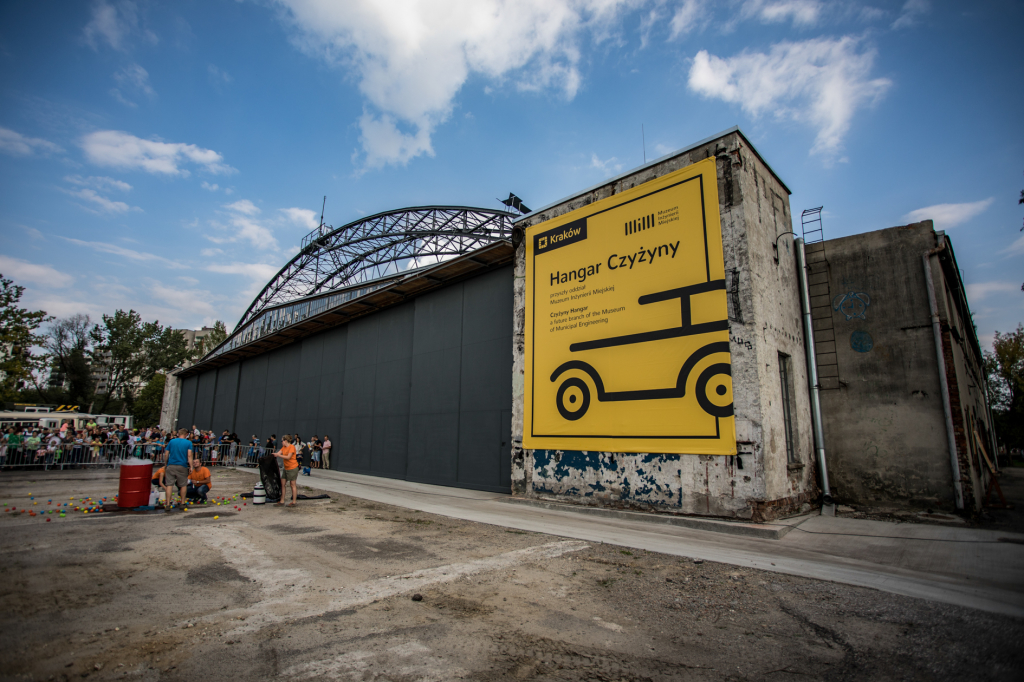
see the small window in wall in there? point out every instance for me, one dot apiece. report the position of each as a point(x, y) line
point(786, 380)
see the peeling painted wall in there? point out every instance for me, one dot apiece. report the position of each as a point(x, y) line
point(764, 320)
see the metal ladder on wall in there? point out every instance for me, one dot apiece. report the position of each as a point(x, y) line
point(821, 299)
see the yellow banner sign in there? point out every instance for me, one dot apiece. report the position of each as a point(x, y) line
point(627, 331)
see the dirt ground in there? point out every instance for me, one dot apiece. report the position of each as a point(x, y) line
point(325, 591)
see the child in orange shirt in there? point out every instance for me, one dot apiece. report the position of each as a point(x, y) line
point(291, 469)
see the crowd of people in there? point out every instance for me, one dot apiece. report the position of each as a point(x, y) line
point(94, 444)
point(68, 447)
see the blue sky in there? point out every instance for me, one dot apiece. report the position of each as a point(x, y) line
point(169, 157)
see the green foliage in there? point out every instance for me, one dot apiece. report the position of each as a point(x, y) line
point(67, 342)
point(133, 351)
point(1005, 369)
point(17, 337)
point(211, 340)
point(146, 408)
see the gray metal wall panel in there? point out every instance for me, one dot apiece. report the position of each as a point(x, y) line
point(187, 406)
point(479, 449)
point(420, 391)
point(252, 389)
point(272, 398)
point(357, 401)
point(332, 386)
point(225, 399)
point(307, 403)
point(353, 445)
point(434, 448)
point(390, 446)
point(434, 387)
point(290, 388)
point(438, 321)
point(487, 311)
point(204, 400)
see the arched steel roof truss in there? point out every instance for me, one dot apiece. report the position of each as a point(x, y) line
point(380, 245)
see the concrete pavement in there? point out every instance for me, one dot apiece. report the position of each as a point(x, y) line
point(969, 567)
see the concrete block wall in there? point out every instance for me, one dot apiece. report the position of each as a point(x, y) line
point(884, 423)
point(764, 316)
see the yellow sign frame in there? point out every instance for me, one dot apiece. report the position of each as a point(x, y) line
point(661, 310)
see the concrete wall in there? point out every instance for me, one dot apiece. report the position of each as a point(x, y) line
point(169, 406)
point(885, 429)
point(764, 316)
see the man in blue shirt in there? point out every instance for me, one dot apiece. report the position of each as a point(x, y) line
point(179, 463)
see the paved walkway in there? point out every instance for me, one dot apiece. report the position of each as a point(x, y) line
point(980, 569)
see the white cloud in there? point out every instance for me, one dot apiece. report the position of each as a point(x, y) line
point(209, 253)
point(260, 272)
point(253, 232)
point(116, 94)
point(1017, 247)
point(383, 143)
point(22, 271)
point(33, 232)
point(243, 206)
point(99, 182)
point(136, 77)
point(129, 254)
point(302, 217)
point(190, 301)
point(100, 203)
point(213, 188)
point(17, 144)
point(822, 82)
point(946, 216)
point(410, 61)
point(217, 76)
point(122, 150)
point(243, 227)
point(689, 15)
point(980, 290)
point(800, 12)
point(115, 25)
point(912, 12)
point(607, 167)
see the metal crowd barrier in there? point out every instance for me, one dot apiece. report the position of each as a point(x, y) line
point(214, 454)
point(87, 456)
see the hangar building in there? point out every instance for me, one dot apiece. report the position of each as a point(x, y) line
point(402, 336)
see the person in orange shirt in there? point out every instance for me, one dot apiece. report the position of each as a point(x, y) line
point(158, 477)
point(291, 469)
point(199, 481)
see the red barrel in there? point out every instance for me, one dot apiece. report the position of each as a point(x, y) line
point(135, 484)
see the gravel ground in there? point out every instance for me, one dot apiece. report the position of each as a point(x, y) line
point(326, 591)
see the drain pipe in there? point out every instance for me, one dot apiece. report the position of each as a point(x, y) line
point(940, 359)
point(812, 371)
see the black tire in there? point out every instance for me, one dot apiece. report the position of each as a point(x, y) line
point(584, 402)
point(720, 411)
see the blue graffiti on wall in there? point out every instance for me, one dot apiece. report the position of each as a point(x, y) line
point(852, 304)
point(861, 342)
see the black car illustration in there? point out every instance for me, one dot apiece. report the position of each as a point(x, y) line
point(686, 328)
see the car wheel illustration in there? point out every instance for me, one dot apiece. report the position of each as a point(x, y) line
point(714, 390)
point(573, 398)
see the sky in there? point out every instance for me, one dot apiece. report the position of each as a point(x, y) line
point(170, 156)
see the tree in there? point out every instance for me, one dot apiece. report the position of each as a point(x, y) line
point(146, 409)
point(132, 351)
point(67, 341)
point(211, 340)
point(1005, 368)
point(17, 338)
